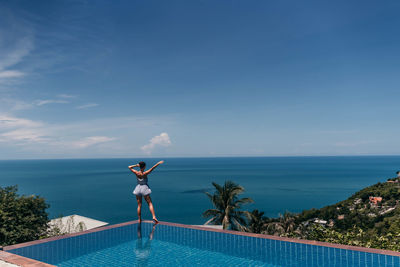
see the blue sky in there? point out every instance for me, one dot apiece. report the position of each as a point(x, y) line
point(84, 79)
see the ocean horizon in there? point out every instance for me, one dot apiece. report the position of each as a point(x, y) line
point(102, 188)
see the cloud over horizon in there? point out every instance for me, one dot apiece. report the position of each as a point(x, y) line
point(162, 140)
point(86, 138)
point(92, 140)
point(20, 131)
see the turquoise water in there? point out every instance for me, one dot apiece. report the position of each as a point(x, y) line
point(164, 245)
point(157, 253)
point(102, 188)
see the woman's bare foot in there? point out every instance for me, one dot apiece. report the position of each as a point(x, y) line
point(155, 220)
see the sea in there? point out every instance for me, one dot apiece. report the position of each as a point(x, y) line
point(102, 188)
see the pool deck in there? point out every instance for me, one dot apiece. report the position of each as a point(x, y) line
point(20, 260)
point(23, 261)
point(6, 264)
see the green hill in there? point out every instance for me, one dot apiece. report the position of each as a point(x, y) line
point(370, 218)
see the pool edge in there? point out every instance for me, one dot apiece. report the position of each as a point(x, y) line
point(49, 239)
point(28, 262)
point(23, 261)
point(287, 239)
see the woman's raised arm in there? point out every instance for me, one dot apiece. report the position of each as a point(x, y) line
point(133, 166)
point(152, 168)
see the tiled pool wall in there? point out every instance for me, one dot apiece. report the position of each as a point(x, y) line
point(271, 250)
point(66, 248)
point(276, 252)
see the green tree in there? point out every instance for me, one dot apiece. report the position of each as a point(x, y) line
point(22, 218)
point(282, 226)
point(257, 221)
point(227, 206)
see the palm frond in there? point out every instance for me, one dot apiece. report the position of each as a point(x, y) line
point(227, 206)
point(211, 212)
point(218, 187)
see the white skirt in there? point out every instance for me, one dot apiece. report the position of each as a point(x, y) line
point(142, 190)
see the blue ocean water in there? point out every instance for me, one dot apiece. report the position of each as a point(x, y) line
point(102, 188)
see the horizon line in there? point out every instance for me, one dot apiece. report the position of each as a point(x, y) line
point(220, 156)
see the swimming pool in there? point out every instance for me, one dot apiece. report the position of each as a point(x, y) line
point(133, 244)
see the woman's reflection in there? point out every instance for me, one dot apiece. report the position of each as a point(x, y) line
point(143, 248)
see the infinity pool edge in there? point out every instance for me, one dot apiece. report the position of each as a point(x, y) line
point(24, 261)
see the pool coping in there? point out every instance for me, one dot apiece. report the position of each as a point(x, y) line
point(292, 240)
point(23, 261)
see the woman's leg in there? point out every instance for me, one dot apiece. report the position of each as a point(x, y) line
point(148, 200)
point(139, 207)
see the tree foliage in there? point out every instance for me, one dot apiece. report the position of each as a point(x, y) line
point(256, 222)
point(22, 218)
point(355, 237)
point(227, 206)
point(354, 221)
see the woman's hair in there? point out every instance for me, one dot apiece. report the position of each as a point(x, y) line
point(142, 164)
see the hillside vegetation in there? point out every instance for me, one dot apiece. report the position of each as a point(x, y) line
point(370, 218)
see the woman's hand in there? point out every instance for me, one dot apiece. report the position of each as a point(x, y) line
point(160, 162)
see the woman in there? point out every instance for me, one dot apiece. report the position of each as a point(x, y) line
point(142, 188)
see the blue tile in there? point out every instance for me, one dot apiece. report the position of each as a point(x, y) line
point(238, 250)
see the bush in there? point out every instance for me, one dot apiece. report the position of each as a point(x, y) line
point(22, 218)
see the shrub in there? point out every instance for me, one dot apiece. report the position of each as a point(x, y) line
point(22, 218)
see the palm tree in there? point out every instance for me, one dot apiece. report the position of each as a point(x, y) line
point(227, 207)
point(257, 221)
point(287, 221)
point(281, 226)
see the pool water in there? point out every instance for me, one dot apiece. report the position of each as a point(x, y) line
point(162, 245)
point(157, 253)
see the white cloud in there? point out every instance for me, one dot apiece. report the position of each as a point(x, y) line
point(66, 96)
point(21, 105)
point(10, 104)
point(92, 140)
point(19, 131)
point(89, 105)
point(16, 43)
point(9, 122)
point(23, 135)
point(50, 101)
point(11, 74)
point(159, 140)
point(13, 129)
point(13, 54)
